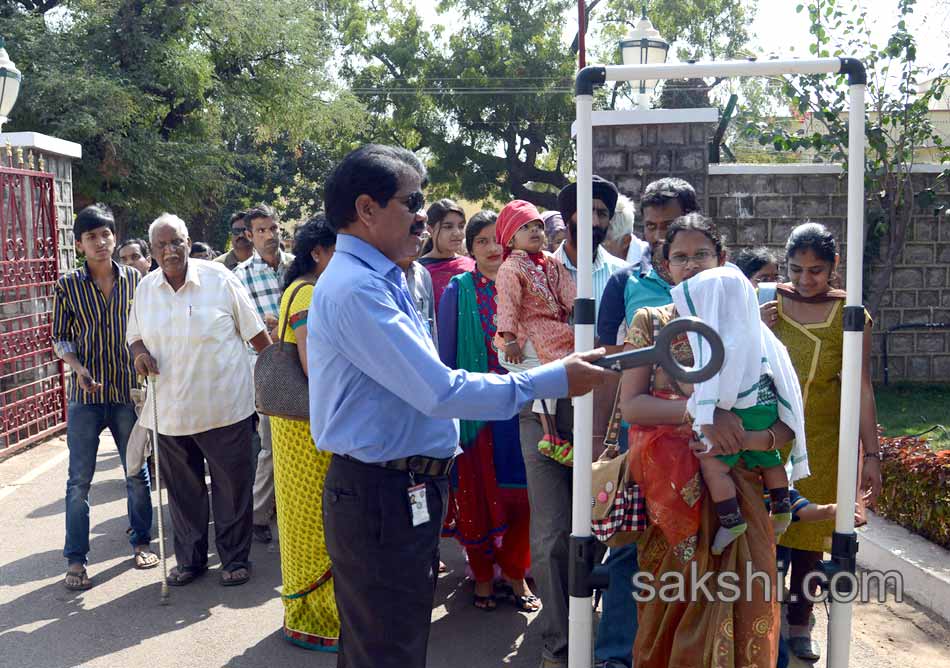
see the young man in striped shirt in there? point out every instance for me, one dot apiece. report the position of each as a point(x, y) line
point(90, 314)
point(263, 276)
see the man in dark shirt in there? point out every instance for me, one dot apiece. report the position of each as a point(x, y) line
point(90, 313)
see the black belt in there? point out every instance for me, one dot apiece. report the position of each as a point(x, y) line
point(416, 464)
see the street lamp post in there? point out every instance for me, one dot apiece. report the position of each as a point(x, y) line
point(644, 46)
point(10, 79)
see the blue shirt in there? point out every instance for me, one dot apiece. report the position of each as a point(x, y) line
point(378, 390)
point(645, 290)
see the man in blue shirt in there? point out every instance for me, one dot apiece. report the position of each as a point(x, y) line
point(385, 405)
point(630, 289)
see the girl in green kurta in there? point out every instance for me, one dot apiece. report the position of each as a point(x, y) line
point(807, 318)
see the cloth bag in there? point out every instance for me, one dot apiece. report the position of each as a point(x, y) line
point(619, 511)
point(139, 447)
point(280, 385)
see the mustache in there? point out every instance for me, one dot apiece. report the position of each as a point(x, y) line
point(417, 229)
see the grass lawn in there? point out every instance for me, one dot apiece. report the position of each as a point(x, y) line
point(906, 409)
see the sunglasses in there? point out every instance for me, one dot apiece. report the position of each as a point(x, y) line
point(238, 231)
point(414, 201)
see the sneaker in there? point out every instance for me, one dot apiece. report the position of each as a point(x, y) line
point(262, 534)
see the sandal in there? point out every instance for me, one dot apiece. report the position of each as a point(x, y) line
point(804, 648)
point(145, 559)
point(77, 580)
point(486, 603)
point(229, 579)
point(526, 603)
point(183, 575)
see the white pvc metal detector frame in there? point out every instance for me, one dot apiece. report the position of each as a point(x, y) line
point(844, 545)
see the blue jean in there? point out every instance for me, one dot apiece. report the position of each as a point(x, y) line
point(618, 619)
point(84, 423)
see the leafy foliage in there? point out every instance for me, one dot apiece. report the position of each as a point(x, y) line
point(490, 100)
point(897, 126)
point(916, 487)
point(177, 105)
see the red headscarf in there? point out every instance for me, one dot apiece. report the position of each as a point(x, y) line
point(512, 218)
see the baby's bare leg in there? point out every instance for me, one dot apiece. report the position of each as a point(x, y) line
point(716, 476)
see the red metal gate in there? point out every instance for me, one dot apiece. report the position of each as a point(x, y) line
point(32, 382)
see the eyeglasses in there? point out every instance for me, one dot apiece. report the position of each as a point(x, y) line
point(238, 231)
point(702, 257)
point(414, 201)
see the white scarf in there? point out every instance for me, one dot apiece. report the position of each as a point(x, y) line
point(725, 299)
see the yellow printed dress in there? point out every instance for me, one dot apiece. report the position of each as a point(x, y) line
point(310, 615)
point(815, 350)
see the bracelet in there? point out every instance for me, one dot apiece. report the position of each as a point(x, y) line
point(771, 438)
point(873, 455)
point(137, 358)
point(511, 343)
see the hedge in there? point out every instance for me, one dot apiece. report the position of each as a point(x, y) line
point(916, 487)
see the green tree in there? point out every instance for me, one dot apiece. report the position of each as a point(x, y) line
point(898, 125)
point(490, 101)
point(175, 102)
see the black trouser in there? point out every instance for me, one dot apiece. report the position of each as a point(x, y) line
point(182, 458)
point(384, 569)
point(803, 562)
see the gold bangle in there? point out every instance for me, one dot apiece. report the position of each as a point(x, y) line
point(771, 439)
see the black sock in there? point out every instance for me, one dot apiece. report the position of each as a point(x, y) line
point(728, 511)
point(779, 501)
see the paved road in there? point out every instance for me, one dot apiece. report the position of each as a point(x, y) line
point(119, 622)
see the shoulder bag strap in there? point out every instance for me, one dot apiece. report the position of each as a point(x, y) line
point(290, 302)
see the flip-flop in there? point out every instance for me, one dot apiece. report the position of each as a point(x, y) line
point(84, 581)
point(804, 648)
point(233, 581)
point(526, 603)
point(183, 575)
point(486, 603)
point(145, 559)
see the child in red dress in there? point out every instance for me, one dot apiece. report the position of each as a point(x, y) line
point(535, 298)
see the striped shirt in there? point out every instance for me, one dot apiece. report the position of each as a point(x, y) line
point(605, 264)
point(263, 282)
point(93, 327)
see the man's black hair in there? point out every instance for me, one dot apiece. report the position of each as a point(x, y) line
point(661, 192)
point(259, 211)
point(374, 170)
point(91, 218)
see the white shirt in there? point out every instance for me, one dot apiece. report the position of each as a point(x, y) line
point(605, 265)
point(197, 336)
point(639, 253)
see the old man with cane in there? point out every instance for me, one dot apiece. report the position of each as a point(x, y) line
point(384, 405)
point(189, 323)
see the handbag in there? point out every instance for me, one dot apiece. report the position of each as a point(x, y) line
point(619, 512)
point(280, 385)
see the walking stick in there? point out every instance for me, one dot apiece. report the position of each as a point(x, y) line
point(153, 391)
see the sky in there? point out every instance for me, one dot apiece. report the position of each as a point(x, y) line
point(777, 27)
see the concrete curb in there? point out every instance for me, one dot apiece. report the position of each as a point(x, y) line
point(886, 546)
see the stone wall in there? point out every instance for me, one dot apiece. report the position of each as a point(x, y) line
point(760, 204)
point(634, 155)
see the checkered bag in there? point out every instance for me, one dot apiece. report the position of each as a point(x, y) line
point(619, 513)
